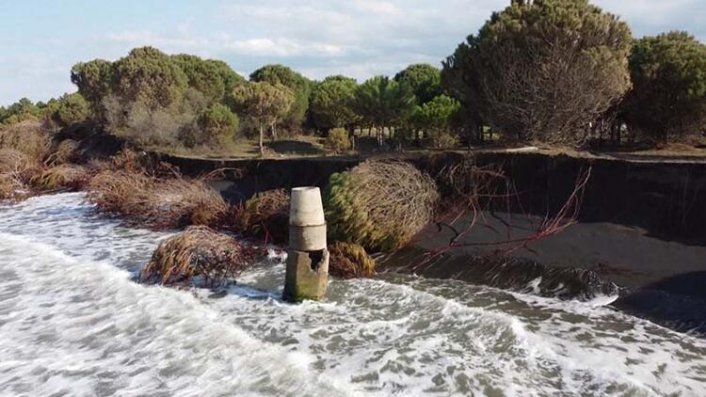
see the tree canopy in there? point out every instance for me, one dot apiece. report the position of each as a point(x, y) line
point(298, 84)
point(382, 102)
point(668, 98)
point(264, 104)
point(543, 70)
point(22, 110)
point(149, 76)
point(423, 79)
point(211, 78)
point(331, 102)
point(68, 109)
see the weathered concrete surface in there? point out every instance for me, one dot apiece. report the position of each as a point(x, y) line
point(306, 275)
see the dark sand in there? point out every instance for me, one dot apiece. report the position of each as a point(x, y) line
point(664, 281)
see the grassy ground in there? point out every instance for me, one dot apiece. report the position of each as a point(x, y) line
point(300, 146)
point(313, 146)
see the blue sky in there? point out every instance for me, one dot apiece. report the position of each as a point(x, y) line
point(41, 39)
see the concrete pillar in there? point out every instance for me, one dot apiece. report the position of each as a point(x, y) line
point(308, 258)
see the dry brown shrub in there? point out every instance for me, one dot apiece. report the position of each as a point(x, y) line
point(136, 161)
point(189, 202)
point(348, 260)
point(157, 203)
point(11, 188)
point(15, 170)
point(198, 252)
point(65, 176)
point(65, 152)
point(266, 216)
point(13, 161)
point(119, 192)
point(380, 204)
point(29, 138)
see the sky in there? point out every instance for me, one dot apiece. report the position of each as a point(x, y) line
point(41, 39)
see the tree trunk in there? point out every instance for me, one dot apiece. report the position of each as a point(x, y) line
point(273, 131)
point(262, 146)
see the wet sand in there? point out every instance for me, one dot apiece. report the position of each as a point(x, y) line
point(664, 281)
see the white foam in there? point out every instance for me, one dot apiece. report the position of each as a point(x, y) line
point(72, 320)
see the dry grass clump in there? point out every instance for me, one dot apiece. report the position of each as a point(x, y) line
point(266, 216)
point(380, 205)
point(348, 260)
point(157, 203)
point(65, 176)
point(13, 161)
point(67, 151)
point(29, 138)
point(15, 168)
point(11, 188)
point(198, 255)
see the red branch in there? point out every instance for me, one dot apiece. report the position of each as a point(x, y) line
point(565, 217)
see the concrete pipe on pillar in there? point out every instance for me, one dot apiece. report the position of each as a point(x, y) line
point(307, 261)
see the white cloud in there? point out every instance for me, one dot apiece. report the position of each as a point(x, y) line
point(377, 7)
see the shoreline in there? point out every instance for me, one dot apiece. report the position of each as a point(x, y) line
point(658, 280)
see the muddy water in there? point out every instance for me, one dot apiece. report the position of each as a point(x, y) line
point(72, 322)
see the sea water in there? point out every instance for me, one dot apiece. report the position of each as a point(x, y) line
point(74, 322)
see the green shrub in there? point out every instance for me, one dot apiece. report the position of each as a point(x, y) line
point(217, 124)
point(380, 205)
point(69, 109)
point(668, 99)
point(337, 140)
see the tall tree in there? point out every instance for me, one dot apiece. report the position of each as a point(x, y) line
point(230, 78)
point(423, 79)
point(544, 70)
point(202, 76)
point(149, 76)
point(330, 103)
point(264, 104)
point(436, 115)
point(668, 98)
point(94, 80)
point(298, 84)
point(381, 102)
point(210, 77)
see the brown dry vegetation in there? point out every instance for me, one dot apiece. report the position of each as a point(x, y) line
point(198, 252)
point(65, 152)
point(23, 148)
point(65, 176)
point(157, 203)
point(13, 161)
point(29, 138)
point(11, 188)
point(349, 260)
point(266, 216)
